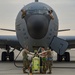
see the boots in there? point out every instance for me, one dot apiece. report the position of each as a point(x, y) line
point(50, 72)
point(24, 70)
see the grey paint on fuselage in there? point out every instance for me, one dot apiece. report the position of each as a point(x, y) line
point(22, 31)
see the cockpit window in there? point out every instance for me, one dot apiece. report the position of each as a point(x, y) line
point(37, 12)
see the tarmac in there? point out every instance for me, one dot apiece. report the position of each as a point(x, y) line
point(8, 68)
point(59, 68)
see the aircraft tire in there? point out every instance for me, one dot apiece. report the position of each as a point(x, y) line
point(67, 56)
point(11, 56)
point(59, 58)
point(4, 56)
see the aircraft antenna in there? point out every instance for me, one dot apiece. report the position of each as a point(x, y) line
point(36, 0)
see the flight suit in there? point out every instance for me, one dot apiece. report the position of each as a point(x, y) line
point(49, 60)
point(44, 64)
point(25, 60)
point(43, 61)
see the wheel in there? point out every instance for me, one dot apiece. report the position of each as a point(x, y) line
point(11, 56)
point(4, 56)
point(59, 57)
point(67, 56)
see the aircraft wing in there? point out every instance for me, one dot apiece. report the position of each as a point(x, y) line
point(70, 40)
point(10, 41)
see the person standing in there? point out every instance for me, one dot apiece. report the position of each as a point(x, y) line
point(43, 55)
point(49, 60)
point(26, 62)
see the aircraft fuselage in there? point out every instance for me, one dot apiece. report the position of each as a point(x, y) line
point(36, 29)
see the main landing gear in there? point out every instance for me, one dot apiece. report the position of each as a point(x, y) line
point(7, 55)
point(65, 57)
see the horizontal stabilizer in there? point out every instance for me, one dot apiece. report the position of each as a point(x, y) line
point(8, 30)
point(59, 45)
point(64, 30)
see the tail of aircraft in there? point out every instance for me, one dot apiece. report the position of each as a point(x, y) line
point(36, 0)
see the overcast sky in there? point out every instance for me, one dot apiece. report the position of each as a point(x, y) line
point(65, 10)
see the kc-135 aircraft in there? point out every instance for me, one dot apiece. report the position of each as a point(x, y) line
point(36, 26)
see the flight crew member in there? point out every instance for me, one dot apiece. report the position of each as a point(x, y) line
point(43, 55)
point(23, 13)
point(49, 61)
point(50, 13)
point(26, 62)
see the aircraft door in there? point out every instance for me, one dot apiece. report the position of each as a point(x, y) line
point(59, 45)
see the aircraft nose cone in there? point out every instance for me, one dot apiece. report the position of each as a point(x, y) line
point(38, 27)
